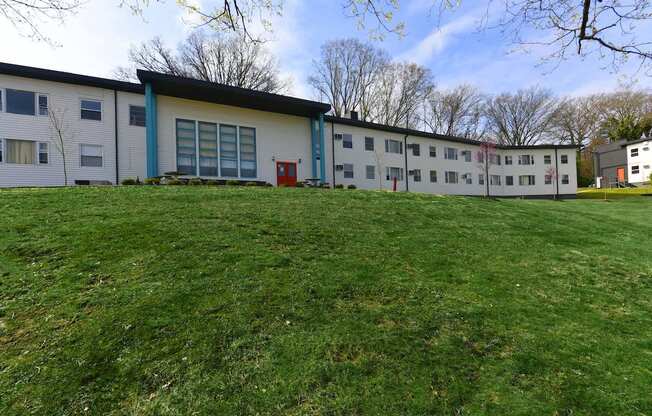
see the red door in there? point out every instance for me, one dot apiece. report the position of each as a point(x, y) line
point(286, 173)
point(621, 174)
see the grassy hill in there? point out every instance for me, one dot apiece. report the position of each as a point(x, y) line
point(225, 301)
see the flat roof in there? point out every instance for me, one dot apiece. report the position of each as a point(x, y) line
point(194, 89)
point(69, 78)
point(428, 135)
point(647, 139)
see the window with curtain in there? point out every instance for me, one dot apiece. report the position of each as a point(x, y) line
point(186, 147)
point(91, 156)
point(207, 149)
point(248, 152)
point(228, 151)
point(22, 152)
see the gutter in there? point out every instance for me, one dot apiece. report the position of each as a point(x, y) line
point(115, 127)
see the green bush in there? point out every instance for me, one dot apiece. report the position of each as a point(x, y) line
point(129, 181)
point(352, 187)
point(300, 185)
point(212, 182)
point(251, 184)
point(195, 182)
point(152, 181)
point(650, 177)
point(269, 185)
point(233, 182)
point(175, 181)
point(339, 186)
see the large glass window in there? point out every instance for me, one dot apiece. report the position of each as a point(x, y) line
point(186, 147)
point(21, 102)
point(91, 156)
point(22, 152)
point(248, 152)
point(207, 149)
point(91, 110)
point(228, 151)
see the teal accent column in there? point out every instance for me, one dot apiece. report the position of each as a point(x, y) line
point(322, 149)
point(151, 131)
point(313, 146)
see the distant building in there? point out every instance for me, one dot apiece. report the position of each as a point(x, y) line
point(623, 163)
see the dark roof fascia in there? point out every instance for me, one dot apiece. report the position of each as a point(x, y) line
point(69, 78)
point(635, 142)
point(419, 133)
point(194, 89)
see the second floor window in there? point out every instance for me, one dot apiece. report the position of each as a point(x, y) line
point(564, 159)
point(393, 146)
point(508, 160)
point(634, 152)
point(450, 153)
point(91, 110)
point(369, 144)
point(526, 160)
point(547, 160)
point(416, 149)
point(137, 115)
point(21, 102)
point(433, 151)
point(347, 141)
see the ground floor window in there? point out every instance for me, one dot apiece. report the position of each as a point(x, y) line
point(433, 176)
point(43, 154)
point(564, 179)
point(548, 179)
point(91, 156)
point(21, 152)
point(494, 180)
point(348, 171)
point(509, 180)
point(186, 148)
point(481, 178)
point(416, 175)
point(451, 177)
point(207, 149)
point(371, 172)
point(394, 173)
point(526, 180)
point(248, 152)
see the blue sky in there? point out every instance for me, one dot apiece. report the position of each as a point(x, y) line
point(97, 39)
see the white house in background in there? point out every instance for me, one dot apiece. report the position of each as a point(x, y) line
point(639, 160)
point(116, 130)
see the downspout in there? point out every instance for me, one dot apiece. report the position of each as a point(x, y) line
point(556, 174)
point(407, 175)
point(115, 114)
point(333, 148)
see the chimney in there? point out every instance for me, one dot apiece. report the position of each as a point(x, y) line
point(353, 115)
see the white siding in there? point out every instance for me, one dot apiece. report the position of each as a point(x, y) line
point(132, 145)
point(643, 161)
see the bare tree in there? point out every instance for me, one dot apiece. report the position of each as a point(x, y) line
point(345, 74)
point(578, 120)
point(522, 118)
point(398, 93)
point(61, 134)
point(228, 59)
point(27, 15)
point(456, 112)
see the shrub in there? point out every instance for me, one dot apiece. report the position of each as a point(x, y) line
point(339, 186)
point(269, 185)
point(152, 181)
point(650, 177)
point(212, 182)
point(352, 187)
point(195, 182)
point(129, 181)
point(175, 181)
point(251, 184)
point(232, 182)
point(300, 185)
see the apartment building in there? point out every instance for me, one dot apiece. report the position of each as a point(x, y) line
point(106, 130)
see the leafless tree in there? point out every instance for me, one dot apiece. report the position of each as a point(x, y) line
point(578, 120)
point(225, 58)
point(457, 112)
point(398, 93)
point(27, 15)
point(345, 73)
point(61, 134)
point(522, 118)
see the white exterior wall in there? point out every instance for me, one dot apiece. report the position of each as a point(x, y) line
point(643, 161)
point(132, 146)
point(361, 158)
point(279, 137)
point(62, 99)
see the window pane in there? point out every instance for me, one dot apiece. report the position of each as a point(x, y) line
point(208, 149)
point(137, 115)
point(43, 153)
point(20, 152)
point(43, 105)
point(91, 110)
point(21, 102)
point(186, 147)
point(369, 143)
point(248, 152)
point(91, 156)
point(228, 151)
point(371, 172)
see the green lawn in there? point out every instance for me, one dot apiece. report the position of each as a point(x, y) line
point(242, 301)
point(614, 193)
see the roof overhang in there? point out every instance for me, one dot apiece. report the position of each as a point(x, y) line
point(193, 89)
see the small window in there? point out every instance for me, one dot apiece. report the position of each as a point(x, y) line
point(645, 149)
point(347, 141)
point(369, 144)
point(509, 180)
point(371, 172)
point(433, 176)
point(348, 171)
point(564, 179)
point(547, 159)
point(416, 175)
point(416, 149)
point(433, 151)
point(467, 155)
point(635, 170)
point(137, 115)
point(21, 152)
point(481, 179)
point(43, 156)
point(392, 173)
point(0, 100)
point(451, 177)
point(1, 151)
point(468, 178)
point(633, 152)
point(526, 180)
point(91, 156)
point(91, 110)
point(564, 159)
point(393, 146)
point(494, 180)
point(21, 102)
point(526, 160)
point(450, 153)
point(508, 160)
point(494, 159)
point(42, 105)
point(548, 179)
